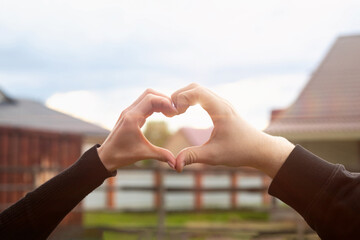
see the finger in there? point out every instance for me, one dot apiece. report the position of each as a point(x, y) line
point(150, 104)
point(150, 151)
point(191, 155)
point(144, 94)
point(163, 155)
point(140, 98)
point(215, 106)
point(188, 87)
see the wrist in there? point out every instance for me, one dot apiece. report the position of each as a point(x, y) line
point(106, 159)
point(276, 151)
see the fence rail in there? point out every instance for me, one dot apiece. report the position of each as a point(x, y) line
point(19, 187)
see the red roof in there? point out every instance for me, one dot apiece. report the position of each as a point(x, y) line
point(196, 137)
point(330, 102)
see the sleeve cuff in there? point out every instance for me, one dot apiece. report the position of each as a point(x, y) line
point(92, 153)
point(302, 179)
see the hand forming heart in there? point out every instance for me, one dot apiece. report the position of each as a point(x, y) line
point(233, 141)
point(126, 144)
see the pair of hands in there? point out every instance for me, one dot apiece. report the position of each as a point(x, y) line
point(233, 141)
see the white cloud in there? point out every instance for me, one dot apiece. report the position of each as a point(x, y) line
point(95, 57)
point(192, 34)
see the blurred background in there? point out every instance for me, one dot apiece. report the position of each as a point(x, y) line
point(68, 69)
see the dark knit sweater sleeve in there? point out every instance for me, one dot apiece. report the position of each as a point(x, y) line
point(325, 194)
point(37, 214)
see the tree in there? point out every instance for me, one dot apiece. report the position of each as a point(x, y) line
point(157, 132)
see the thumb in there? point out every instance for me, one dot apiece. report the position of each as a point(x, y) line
point(189, 156)
point(163, 155)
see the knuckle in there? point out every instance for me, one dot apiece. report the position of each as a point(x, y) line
point(183, 97)
point(149, 97)
point(182, 101)
point(199, 90)
point(128, 118)
point(149, 91)
point(194, 85)
point(123, 113)
point(191, 157)
point(174, 95)
point(228, 109)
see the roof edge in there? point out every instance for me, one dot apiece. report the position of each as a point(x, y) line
point(6, 98)
point(319, 136)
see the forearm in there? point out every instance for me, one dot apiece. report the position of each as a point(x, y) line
point(39, 212)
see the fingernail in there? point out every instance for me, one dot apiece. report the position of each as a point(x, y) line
point(171, 165)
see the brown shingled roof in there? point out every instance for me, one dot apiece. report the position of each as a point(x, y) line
point(35, 115)
point(330, 102)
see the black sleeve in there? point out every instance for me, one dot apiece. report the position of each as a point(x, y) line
point(37, 214)
point(325, 194)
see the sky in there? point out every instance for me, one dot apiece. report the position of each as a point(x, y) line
point(92, 59)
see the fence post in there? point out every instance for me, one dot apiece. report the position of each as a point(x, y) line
point(110, 193)
point(233, 176)
point(159, 201)
point(198, 193)
point(265, 196)
point(4, 146)
point(157, 184)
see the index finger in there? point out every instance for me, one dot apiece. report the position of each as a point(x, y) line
point(193, 94)
point(144, 94)
point(150, 104)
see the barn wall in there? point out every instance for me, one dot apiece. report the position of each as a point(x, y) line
point(28, 158)
point(90, 141)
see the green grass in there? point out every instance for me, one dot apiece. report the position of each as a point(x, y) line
point(92, 219)
point(115, 236)
point(177, 219)
point(120, 219)
point(241, 224)
point(181, 219)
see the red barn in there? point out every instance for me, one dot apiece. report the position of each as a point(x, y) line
point(35, 144)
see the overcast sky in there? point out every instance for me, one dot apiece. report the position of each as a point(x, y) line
point(93, 58)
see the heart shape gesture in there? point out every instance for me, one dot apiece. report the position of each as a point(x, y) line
point(233, 141)
point(126, 144)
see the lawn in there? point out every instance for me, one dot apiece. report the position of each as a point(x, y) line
point(244, 224)
point(178, 219)
point(175, 223)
